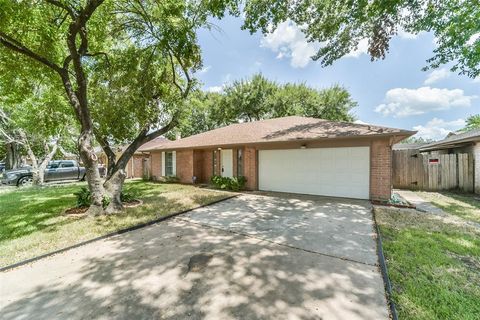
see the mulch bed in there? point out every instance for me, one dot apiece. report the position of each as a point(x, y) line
point(79, 211)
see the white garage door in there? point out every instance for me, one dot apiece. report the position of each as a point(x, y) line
point(338, 172)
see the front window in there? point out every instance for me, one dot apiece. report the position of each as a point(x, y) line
point(169, 163)
point(68, 164)
point(52, 165)
point(239, 162)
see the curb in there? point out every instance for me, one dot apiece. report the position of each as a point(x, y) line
point(383, 267)
point(109, 235)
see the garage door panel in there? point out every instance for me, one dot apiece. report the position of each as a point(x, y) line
point(342, 172)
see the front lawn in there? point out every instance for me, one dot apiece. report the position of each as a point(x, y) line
point(433, 264)
point(466, 206)
point(33, 220)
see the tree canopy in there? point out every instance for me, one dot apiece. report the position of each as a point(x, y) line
point(472, 122)
point(340, 25)
point(141, 57)
point(258, 98)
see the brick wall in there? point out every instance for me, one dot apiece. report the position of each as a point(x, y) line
point(206, 166)
point(380, 170)
point(250, 167)
point(156, 164)
point(137, 166)
point(234, 162)
point(185, 165)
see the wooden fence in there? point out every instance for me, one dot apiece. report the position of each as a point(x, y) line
point(416, 171)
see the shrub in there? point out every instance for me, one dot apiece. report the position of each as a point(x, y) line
point(226, 183)
point(84, 198)
point(171, 179)
point(128, 196)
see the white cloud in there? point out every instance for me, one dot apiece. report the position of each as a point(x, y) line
point(362, 48)
point(402, 102)
point(437, 75)
point(216, 89)
point(473, 39)
point(359, 122)
point(437, 129)
point(407, 35)
point(205, 69)
point(287, 40)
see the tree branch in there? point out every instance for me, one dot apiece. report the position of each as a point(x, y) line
point(71, 11)
point(111, 156)
point(141, 139)
point(17, 46)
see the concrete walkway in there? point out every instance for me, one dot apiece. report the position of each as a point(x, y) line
point(251, 257)
point(420, 203)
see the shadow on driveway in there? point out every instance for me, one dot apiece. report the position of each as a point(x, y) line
point(181, 269)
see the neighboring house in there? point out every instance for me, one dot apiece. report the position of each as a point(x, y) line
point(407, 146)
point(468, 142)
point(138, 166)
point(290, 154)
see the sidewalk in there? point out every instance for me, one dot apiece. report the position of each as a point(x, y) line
point(421, 204)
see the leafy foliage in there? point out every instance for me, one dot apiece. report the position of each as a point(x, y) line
point(227, 183)
point(84, 197)
point(258, 98)
point(472, 122)
point(340, 26)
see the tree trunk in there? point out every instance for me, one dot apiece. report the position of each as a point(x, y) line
point(95, 182)
point(12, 160)
point(114, 187)
point(40, 178)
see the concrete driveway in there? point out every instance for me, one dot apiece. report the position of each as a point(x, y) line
point(250, 257)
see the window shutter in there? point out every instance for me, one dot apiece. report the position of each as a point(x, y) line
point(163, 164)
point(174, 162)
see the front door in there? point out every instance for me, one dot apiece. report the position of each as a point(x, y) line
point(227, 163)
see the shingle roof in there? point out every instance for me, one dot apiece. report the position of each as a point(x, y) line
point(155, 143)
point(452, 140)
point(407, 146)
point(292, 128)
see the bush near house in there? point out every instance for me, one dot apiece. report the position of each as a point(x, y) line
point(226, 183)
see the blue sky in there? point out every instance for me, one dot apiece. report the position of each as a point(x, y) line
point(392, 92)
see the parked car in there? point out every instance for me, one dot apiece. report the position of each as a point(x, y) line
point(56, 170)
point(2, 166)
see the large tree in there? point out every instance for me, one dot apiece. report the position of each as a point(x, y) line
point(258, 98)
point(472, 123)
point(71, 42)
point(340, 25)
point(35, 120)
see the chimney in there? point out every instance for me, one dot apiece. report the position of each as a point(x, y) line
point(178, 136)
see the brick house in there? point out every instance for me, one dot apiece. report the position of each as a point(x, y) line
point(139, 165)
point(291, 154)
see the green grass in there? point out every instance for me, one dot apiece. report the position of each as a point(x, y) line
point(33, 220)
point(461, 205)
point(433, 264)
